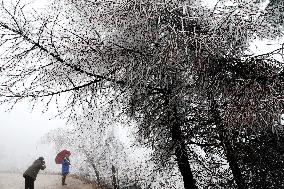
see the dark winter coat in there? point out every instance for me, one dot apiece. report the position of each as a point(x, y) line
point(65, 166)
point(33, 170)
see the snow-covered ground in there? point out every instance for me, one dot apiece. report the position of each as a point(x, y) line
point(16, 181)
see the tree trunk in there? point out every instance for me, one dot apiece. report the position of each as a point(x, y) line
point(114, 179)
point(233, 162)
point(228, 147)
point(90, 159)
point(97, 174)
point(180, 147)
point(182, 158)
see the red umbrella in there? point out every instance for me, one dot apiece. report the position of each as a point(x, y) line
point(59, 157)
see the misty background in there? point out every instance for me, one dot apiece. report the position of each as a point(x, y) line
point(21, 130)
point(22, 127)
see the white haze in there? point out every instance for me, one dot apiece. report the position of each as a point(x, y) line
point(20, 132)
point(21, 129)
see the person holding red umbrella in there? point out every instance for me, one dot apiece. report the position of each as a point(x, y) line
point(63, 159)
point(65, 168)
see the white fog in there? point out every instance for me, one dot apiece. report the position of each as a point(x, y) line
point(20, 132)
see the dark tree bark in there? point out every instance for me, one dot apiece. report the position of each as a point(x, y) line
point(97, 174)
point(180, 147)
point(114, 179)
point(233, 162)
point(91, 161)
point(227, 146)
point(182, 158)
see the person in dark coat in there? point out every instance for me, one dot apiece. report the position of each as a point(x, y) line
point(31, 173)
point(65, 168)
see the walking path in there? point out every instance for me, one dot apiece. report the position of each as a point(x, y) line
point(16, 181)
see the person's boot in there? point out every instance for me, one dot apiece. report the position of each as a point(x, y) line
point(63, 181)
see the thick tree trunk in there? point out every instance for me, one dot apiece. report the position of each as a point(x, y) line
point(114, 179)
point(228, 147)
point(180, 147)
point(182, 158)
point(233, 163)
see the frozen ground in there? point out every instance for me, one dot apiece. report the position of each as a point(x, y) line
point(16, 181)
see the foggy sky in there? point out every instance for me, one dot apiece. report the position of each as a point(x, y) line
point(21, 129)
point(20, 132)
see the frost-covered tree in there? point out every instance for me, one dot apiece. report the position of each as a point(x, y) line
point(96, 147)
point(180, 69)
